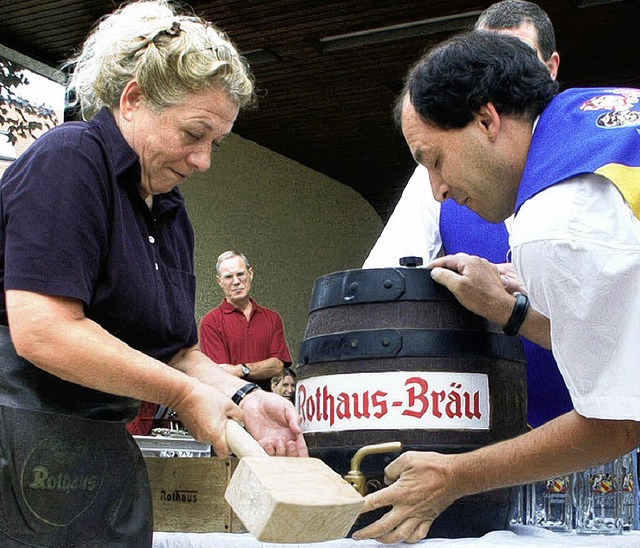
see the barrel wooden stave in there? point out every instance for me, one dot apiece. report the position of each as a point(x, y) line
point(343, 306)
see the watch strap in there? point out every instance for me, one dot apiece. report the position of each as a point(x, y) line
point(242, 392)
point(518, 315)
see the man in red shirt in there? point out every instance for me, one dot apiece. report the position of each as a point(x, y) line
point(242, 337)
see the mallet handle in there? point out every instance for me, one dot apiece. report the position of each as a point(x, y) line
point(241, 442)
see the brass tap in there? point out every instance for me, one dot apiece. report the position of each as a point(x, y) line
point(355, 476)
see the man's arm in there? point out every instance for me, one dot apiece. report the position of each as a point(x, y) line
point(279, 355)
point(484, 288)
point(262, 370)
point(425, 484)
point(259, 370)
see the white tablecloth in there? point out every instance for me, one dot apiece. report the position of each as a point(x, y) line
point(518, 536)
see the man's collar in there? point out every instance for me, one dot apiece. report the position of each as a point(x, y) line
point(228, 308)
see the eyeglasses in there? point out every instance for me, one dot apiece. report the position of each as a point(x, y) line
point(229, 278)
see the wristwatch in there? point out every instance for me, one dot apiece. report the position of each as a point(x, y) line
point(245, 370)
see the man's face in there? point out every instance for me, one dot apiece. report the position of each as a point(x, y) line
point(529, 35)
point(235, 280)
point(465, 165)
point(286, 387)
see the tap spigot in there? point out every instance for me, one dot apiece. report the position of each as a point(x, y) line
point(355, 476)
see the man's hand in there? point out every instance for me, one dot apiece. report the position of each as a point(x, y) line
point(274, 422)
point(510, 279)
point(422, 486)
point(477, 284)
point(487, 290)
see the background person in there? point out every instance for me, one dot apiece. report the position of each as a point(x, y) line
point(285, 383)
point(420, 226)
point(242, 337)
point(97, 308)
point(484, 116)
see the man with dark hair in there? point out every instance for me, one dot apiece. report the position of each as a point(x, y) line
point(420, 226)
point(527, 21)
point(568, 166)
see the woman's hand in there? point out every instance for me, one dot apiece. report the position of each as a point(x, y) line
point(269, 418)
point(274, 422)
point(421, 488)
point(204, 412)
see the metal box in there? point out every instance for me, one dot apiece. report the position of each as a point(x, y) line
point(170, 446)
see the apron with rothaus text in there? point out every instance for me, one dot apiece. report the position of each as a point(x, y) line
point(67, 480)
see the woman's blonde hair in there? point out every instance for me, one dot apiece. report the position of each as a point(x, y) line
point(170, 53)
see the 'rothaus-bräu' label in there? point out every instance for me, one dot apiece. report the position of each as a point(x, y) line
point(394, 400)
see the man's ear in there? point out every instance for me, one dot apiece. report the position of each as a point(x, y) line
point(553, 64)
point(488, 120)
point(130, 99)
point(250, 273)
point(219, 280)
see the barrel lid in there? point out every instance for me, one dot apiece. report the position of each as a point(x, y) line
point(377, 285)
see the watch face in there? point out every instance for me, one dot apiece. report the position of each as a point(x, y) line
point(245, 370)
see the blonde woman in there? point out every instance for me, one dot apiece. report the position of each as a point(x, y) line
point(97, 311)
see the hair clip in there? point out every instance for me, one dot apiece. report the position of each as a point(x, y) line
point(222, 52)
point(173, 31)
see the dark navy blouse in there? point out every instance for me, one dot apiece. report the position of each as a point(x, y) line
point(73, 224)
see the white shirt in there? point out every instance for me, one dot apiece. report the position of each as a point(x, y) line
point(413, 228)
point(576, 246)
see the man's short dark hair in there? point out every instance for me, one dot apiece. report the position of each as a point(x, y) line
point(450, 83)
point(510, 14)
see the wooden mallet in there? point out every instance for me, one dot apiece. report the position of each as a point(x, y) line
point(288, 499)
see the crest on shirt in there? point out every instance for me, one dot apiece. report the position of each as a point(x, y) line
point(622, 108)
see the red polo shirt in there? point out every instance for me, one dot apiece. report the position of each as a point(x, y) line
point(227, 337)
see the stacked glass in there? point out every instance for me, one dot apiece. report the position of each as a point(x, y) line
point(601, 500)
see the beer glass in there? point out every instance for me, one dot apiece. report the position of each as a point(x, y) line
point(599, 499)
point(550, 504)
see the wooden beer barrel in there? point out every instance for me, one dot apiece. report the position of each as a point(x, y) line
point(390, 355)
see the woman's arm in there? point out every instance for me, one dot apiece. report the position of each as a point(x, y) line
point(54, 334)
point(273, 422)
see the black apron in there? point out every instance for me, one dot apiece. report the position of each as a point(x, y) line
point(67, 480)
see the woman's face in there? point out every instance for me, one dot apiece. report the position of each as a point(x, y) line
point(175, 142)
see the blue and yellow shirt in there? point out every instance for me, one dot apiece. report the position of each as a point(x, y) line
point(598, 131)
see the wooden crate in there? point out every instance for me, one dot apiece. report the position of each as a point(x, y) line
point(188, 494)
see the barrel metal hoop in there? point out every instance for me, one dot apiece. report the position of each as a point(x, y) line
point(409, 343)
point(376, 285)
